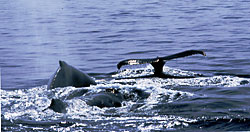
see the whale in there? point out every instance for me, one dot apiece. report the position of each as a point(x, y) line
point(159, 62)
point(67, 75)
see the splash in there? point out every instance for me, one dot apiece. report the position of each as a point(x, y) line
point(226, 81)
point(148, 70)
point(27, 105)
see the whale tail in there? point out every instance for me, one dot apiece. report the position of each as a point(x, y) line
point(159, 62)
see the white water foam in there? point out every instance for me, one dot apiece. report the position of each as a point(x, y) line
point(30, 103)
point(148, 70)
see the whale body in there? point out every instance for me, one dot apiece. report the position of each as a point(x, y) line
point(102, 99)
point(67, 75)
point(105, 99)
point(109, 98)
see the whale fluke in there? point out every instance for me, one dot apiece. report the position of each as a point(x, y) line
point(67, 75)
point(159, 62)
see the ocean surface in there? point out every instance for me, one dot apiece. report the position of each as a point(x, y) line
point(94, 36)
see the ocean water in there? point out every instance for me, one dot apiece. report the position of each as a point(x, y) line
point(94, 36)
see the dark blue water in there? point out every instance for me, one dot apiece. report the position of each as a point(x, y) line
point(95, 35)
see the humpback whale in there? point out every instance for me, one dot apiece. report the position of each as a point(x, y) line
point(67, 75)
point(159, 62)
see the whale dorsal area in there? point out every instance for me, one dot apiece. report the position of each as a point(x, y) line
point(67, 75)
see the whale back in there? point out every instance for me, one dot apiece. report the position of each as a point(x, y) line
point(106, 99)
point(67, 75)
